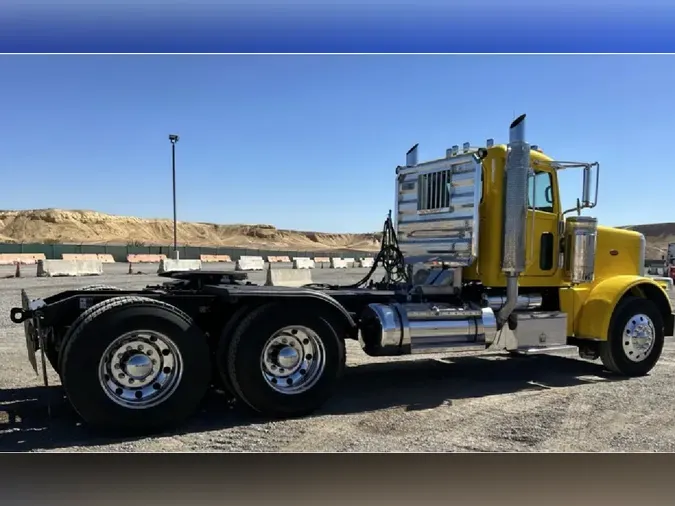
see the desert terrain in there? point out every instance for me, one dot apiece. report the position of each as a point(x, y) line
point(658, 236)
point(91, 227)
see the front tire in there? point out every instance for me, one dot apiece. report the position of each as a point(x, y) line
point(135, 364)
point(635, 340)
point(284, 362)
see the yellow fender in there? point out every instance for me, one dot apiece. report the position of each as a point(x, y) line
point(596, 312)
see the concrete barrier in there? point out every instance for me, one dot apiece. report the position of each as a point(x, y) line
point(145, 259)
point(58, 268)
point(351, 262)
point(366, 263)
point(21, 258)
point(321, 260)
point(277, 259)
point(303, 263)
point(250, 264)
point(215, 258)
point(338, 263)
point(171, 265)
point(104, 258)
point(288, 277)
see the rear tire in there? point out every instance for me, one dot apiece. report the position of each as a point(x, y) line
point(284, 362)
point(135, 364)
point(221, 376)
point(52, 351)
point(636, 337)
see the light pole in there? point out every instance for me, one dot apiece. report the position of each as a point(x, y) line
point(174, 139)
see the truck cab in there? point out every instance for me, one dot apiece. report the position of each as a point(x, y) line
point(575, 278)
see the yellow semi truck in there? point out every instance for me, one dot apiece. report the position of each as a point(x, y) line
point(478, 256)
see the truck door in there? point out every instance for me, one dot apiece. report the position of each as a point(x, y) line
point(542, 225)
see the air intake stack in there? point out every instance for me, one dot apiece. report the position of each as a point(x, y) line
point(515, 214)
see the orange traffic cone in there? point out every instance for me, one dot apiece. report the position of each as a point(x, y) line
point(17, 274)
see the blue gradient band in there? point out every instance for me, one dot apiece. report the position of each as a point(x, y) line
point(369, 26)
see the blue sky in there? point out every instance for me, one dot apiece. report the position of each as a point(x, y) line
point(311, 142)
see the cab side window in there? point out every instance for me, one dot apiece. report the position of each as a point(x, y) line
point(540, 192)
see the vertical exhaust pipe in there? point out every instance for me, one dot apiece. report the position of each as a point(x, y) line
point(515, 214)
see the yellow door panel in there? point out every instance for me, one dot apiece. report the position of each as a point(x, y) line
point(542, 227)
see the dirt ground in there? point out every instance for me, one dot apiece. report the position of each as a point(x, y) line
point(467, 403)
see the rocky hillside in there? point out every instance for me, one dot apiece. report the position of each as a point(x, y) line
point(658, 236)
point(90, 227)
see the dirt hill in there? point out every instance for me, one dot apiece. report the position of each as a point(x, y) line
point(658, 236)
point(90, 227)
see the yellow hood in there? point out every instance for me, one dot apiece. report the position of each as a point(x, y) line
point(619, 251)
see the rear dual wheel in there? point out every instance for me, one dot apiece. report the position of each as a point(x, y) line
point(282, 361)
point(136, 364)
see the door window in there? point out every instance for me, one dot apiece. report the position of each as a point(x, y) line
point(540, 192)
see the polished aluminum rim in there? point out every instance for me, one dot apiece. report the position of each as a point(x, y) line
point(140, 369)
point(638, 338)
point(292, 360)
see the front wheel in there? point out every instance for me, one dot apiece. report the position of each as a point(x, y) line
point(284, 362)
point(635, 339)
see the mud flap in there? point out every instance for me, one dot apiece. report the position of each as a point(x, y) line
point(29, 331)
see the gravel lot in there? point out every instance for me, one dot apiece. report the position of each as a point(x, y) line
point(468, 403)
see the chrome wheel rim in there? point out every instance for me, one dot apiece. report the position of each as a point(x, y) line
point(140, 369)
point(293, 360)
point(638, 338)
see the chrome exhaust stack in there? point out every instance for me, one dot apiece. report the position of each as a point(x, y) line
point(515, 214)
